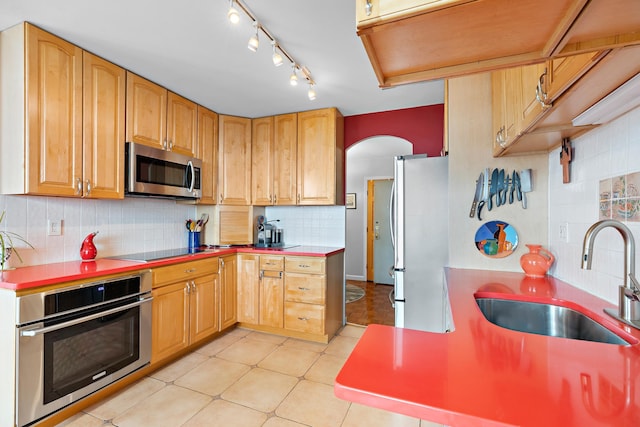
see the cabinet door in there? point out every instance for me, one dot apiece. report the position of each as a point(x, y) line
point(248, 288)
point(271, 298)
point(234, 161)
point(207, 152)
point(318, 152)
point(204, 305)
point(262, 161)
point(565, 71)
point(533, 95)
point(54, 109)
point(170, 321)
point(146, 112)
point(285, 148)
point(228, 291)
point(182, 125)
point(103, 128)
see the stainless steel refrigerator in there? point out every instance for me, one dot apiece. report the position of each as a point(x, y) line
point(420, 235)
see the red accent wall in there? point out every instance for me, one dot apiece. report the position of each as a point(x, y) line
point(422, 126)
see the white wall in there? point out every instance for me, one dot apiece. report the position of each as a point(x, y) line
point(125, 226)
point(608, 151)
point(371, 158)
point(470, 151)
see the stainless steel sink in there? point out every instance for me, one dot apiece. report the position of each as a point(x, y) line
point(545, 319)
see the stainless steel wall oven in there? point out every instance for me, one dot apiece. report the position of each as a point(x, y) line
point(76, 340)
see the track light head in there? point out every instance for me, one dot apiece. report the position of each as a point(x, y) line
point(254, 41)
point(293, 79)
point(311, 93)
point(232, 14)
point(276, 57)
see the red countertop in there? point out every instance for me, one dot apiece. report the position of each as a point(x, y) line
point(484, 375)
point(49, 274)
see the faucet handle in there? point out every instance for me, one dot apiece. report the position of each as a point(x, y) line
point(634, 293)
point(634, 283)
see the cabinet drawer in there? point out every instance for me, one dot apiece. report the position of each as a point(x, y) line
point(271, 262)
point(304, 317)
point(307, 288)
point(184, 271)
point(310, 265)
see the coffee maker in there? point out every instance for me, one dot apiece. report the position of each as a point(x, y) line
point(267, 235)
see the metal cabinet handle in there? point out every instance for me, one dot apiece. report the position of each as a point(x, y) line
point(303, 266)
point(304, 289)
point(303, 318)
point(191, 270)
point(368, 7)
point(78, 186)
point(298, 198)
point(170, 145)
point(88, 187)
point(34, 332)
point(500, 139)
point(188, 287)
point(275, 199)
point(222, 263)
point(220, 197)
point(164, 143)
point(193, 285)
point(541, 95)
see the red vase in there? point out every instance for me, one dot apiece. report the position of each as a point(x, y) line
point(88, 250)
point(537, 262)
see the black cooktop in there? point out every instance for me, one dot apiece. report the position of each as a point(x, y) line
point(162, 254)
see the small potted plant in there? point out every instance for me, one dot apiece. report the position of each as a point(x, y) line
point(6, 244)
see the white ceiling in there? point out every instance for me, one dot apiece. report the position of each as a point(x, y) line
point(191, 48)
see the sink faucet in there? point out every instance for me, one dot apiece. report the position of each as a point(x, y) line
point(629, 294)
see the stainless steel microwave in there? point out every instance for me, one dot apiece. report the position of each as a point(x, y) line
point(155, 172)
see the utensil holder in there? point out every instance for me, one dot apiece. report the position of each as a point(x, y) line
point(194, 239)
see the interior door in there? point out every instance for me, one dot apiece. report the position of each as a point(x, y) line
point(382, 247)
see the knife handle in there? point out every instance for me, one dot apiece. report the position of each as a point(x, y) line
point(490, 202)
point(480, 205)
point(473, 209)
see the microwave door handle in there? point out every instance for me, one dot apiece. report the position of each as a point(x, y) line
point(193, 175)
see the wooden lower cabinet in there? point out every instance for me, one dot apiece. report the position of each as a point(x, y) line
point(185, 306)
point(228, 291)
point(299, 296)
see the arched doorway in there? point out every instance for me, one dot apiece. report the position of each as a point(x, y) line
point(367, 161)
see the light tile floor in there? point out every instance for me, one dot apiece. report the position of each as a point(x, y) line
point(248, 379)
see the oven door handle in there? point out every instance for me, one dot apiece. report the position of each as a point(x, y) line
point(34, 332)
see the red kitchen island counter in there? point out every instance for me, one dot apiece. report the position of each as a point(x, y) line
point(481, 374)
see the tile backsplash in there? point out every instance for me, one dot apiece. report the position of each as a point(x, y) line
point(139, 224)
point(604, 183)
point(125, 226)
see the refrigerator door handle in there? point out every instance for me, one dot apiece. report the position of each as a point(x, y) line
point(391, 214)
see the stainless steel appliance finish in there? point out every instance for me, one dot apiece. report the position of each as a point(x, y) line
point(420, 234)
point(155, 172)
point(545, 319)
point(76, 340)
point(161, 254)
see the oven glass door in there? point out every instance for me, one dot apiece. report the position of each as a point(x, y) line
point(78, 355)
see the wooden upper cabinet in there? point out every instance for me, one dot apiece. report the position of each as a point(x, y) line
point(208, 153)
point(182, 125)
point(49, 147)
point(103, 128)
point(262, 161)
point(146, 112)
point(285, 147)
point(320, 157)
point(54, 122)
point(234, 161)
point(409, 40)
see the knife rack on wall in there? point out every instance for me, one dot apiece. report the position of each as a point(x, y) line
point(497, 187)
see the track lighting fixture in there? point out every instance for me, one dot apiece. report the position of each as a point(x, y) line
point(311, 93)
point(232, 14)
point(279, 54)
point(276, 57)
point(254, 42)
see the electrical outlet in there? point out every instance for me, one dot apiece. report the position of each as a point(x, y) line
point(54, 227)
point(564, 232)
